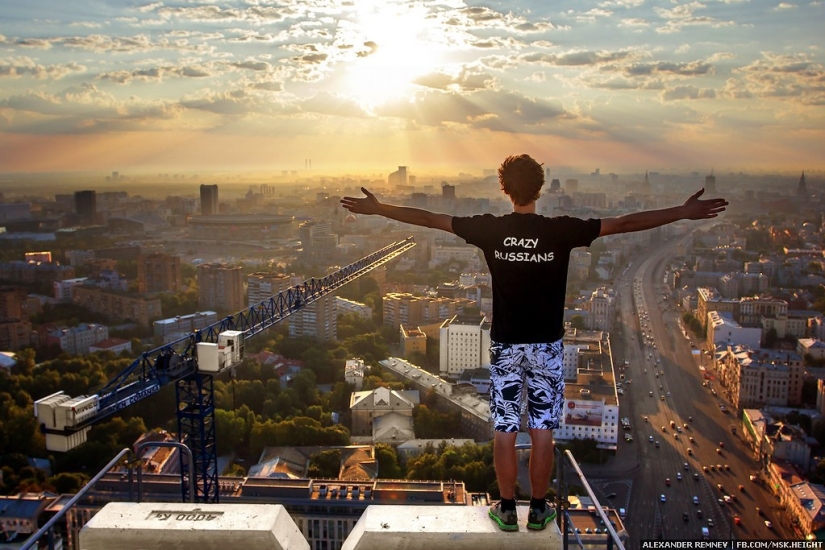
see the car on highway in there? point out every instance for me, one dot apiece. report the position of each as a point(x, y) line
point(759, 511)
point(661, 398)
point(650, 438)
point(650, 394)
point(698, 513)
point(721, 444)
point(719, 486)
point(718, 451)
point(686, 466)
point(696, 476)
point(664, 429)
point(667, 481)
point(691, 439)
point(741, 487)
point(690, 451)
point(695, 499)
point(727, 466)
point(685, 516)
point(768, 524)
point(657, 443)
point(678, 476)
point(737, 520)
point(705, 469)
point(710, 522)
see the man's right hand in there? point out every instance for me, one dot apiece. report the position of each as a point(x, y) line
point(366, 205)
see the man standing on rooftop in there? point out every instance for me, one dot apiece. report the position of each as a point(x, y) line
point(528, 256)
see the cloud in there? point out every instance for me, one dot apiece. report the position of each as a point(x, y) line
point(687, 92)
point(468, 79)
point(788, 77)
point(693, 68)
point(575, 58)
point(331, 104)
point(25, 66)
point(785, 6)
point(489, 109)
point(83, 109)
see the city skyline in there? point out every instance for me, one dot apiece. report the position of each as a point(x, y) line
point(254, 86)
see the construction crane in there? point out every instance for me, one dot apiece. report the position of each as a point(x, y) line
point(191, 363)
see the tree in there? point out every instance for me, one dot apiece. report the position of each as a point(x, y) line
point(325, 464)
point(577, 322)
point(387, 458)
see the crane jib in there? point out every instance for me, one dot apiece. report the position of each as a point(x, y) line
point(135, 397)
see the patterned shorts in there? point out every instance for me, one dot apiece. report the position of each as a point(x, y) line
point(540, 366)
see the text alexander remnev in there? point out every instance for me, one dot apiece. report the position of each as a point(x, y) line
point(732, 544)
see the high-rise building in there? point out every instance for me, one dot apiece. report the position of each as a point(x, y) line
point(85, 206)
point(802, 188)
point(12, 302)
point(555, 185)
point(710, 183)
point(209, 200)
point(447, 191)
point(158, 273)
point(399, 177)
point(571, 185)
point(221, 288)
point(464, 344)
point(261, 285)
point(318, 320)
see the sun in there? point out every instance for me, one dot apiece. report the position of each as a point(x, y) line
point(398, 43)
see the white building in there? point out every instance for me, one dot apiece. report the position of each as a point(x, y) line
point(464, 344)
point(354, 372)
point(811, 346)
point(77, 340)
point(349, 306)
point(443, 254)
point(590, 412)
point(262, 286)
point(724, 331)
point(63, 289)
point(182, 325)
point(602, 309)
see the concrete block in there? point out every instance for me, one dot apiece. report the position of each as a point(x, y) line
point(152, 525)
point(443, 527)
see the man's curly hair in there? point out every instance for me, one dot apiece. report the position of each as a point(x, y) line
point(521, 178)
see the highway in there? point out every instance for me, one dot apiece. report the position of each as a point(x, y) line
point(667, 386)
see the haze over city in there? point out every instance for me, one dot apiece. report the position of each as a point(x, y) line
point(253, 86)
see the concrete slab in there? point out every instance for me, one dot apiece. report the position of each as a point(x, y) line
point(443, 527)
point(133, 526)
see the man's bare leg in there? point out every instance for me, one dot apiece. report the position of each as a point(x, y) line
point(542, 458)
point(504, 458)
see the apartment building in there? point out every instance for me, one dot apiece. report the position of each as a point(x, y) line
point(401, 308)
point(158, 273)
point(118, 306)
point(318, 320)
point(221, 288)
point(464, 344)
point(755, 378)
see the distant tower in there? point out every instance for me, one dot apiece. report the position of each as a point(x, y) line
point(571, 186)
point(209, 200)
point(555, 185)
point(85, 206)
point(802, 188)
point(646, 185)
point(546, 175)
point(447, 192)
point(710, 183)
point(399, 177)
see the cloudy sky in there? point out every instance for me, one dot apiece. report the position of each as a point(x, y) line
point(263, 85)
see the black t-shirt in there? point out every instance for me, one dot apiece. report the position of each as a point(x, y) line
point(528, 256)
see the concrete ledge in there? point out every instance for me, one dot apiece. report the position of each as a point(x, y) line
point(132, 526)
point(443, 527)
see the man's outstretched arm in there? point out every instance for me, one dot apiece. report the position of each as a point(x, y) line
point(693, 209)
point(415, 216)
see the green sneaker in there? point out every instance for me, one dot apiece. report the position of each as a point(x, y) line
point(507, 521)
point(537, 519)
